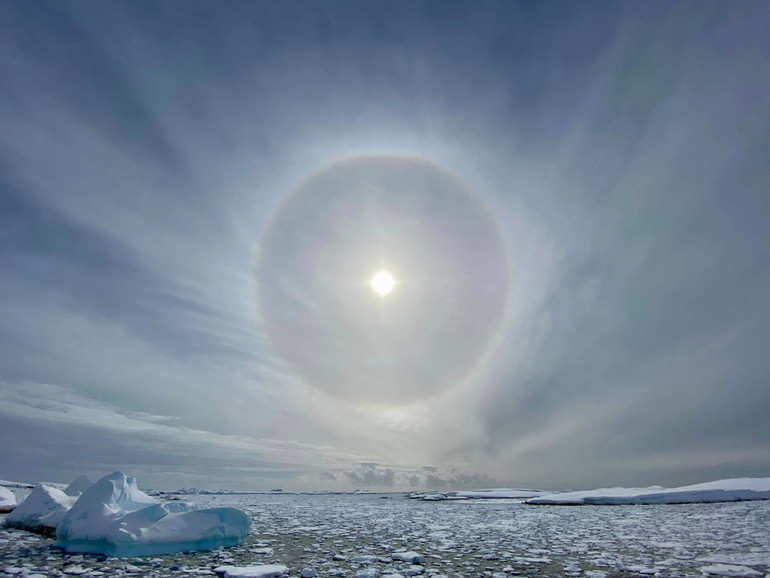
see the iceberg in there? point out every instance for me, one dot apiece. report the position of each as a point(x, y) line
point(731, 490)
point(78, 486)
point(115, 518)
point(7, 500)
point(42, 511)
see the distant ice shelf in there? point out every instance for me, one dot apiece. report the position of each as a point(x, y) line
point(501, 493)
point(483, 494)
point(730, 490)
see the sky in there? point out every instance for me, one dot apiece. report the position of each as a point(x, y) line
point(572, 199)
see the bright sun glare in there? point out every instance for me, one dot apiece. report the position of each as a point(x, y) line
point(383, 282)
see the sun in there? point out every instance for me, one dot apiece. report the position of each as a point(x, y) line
point(383, 283)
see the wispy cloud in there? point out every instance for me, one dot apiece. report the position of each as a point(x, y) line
point(157, 437)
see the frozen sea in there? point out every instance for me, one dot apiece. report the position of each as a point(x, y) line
point(353, 535)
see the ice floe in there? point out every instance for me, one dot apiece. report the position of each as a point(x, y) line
point(412, 557)
point(255, 571)
point(731, 490)
point(115, 518)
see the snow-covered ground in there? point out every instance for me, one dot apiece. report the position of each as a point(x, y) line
point(358, 535)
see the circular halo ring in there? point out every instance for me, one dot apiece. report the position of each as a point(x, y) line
point(492, 339)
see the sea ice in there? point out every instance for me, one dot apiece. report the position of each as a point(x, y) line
point(115, 518)
point(729, 570)
point(731, 490)
point(7, 500)
point(42, 511)
point(476, 538)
